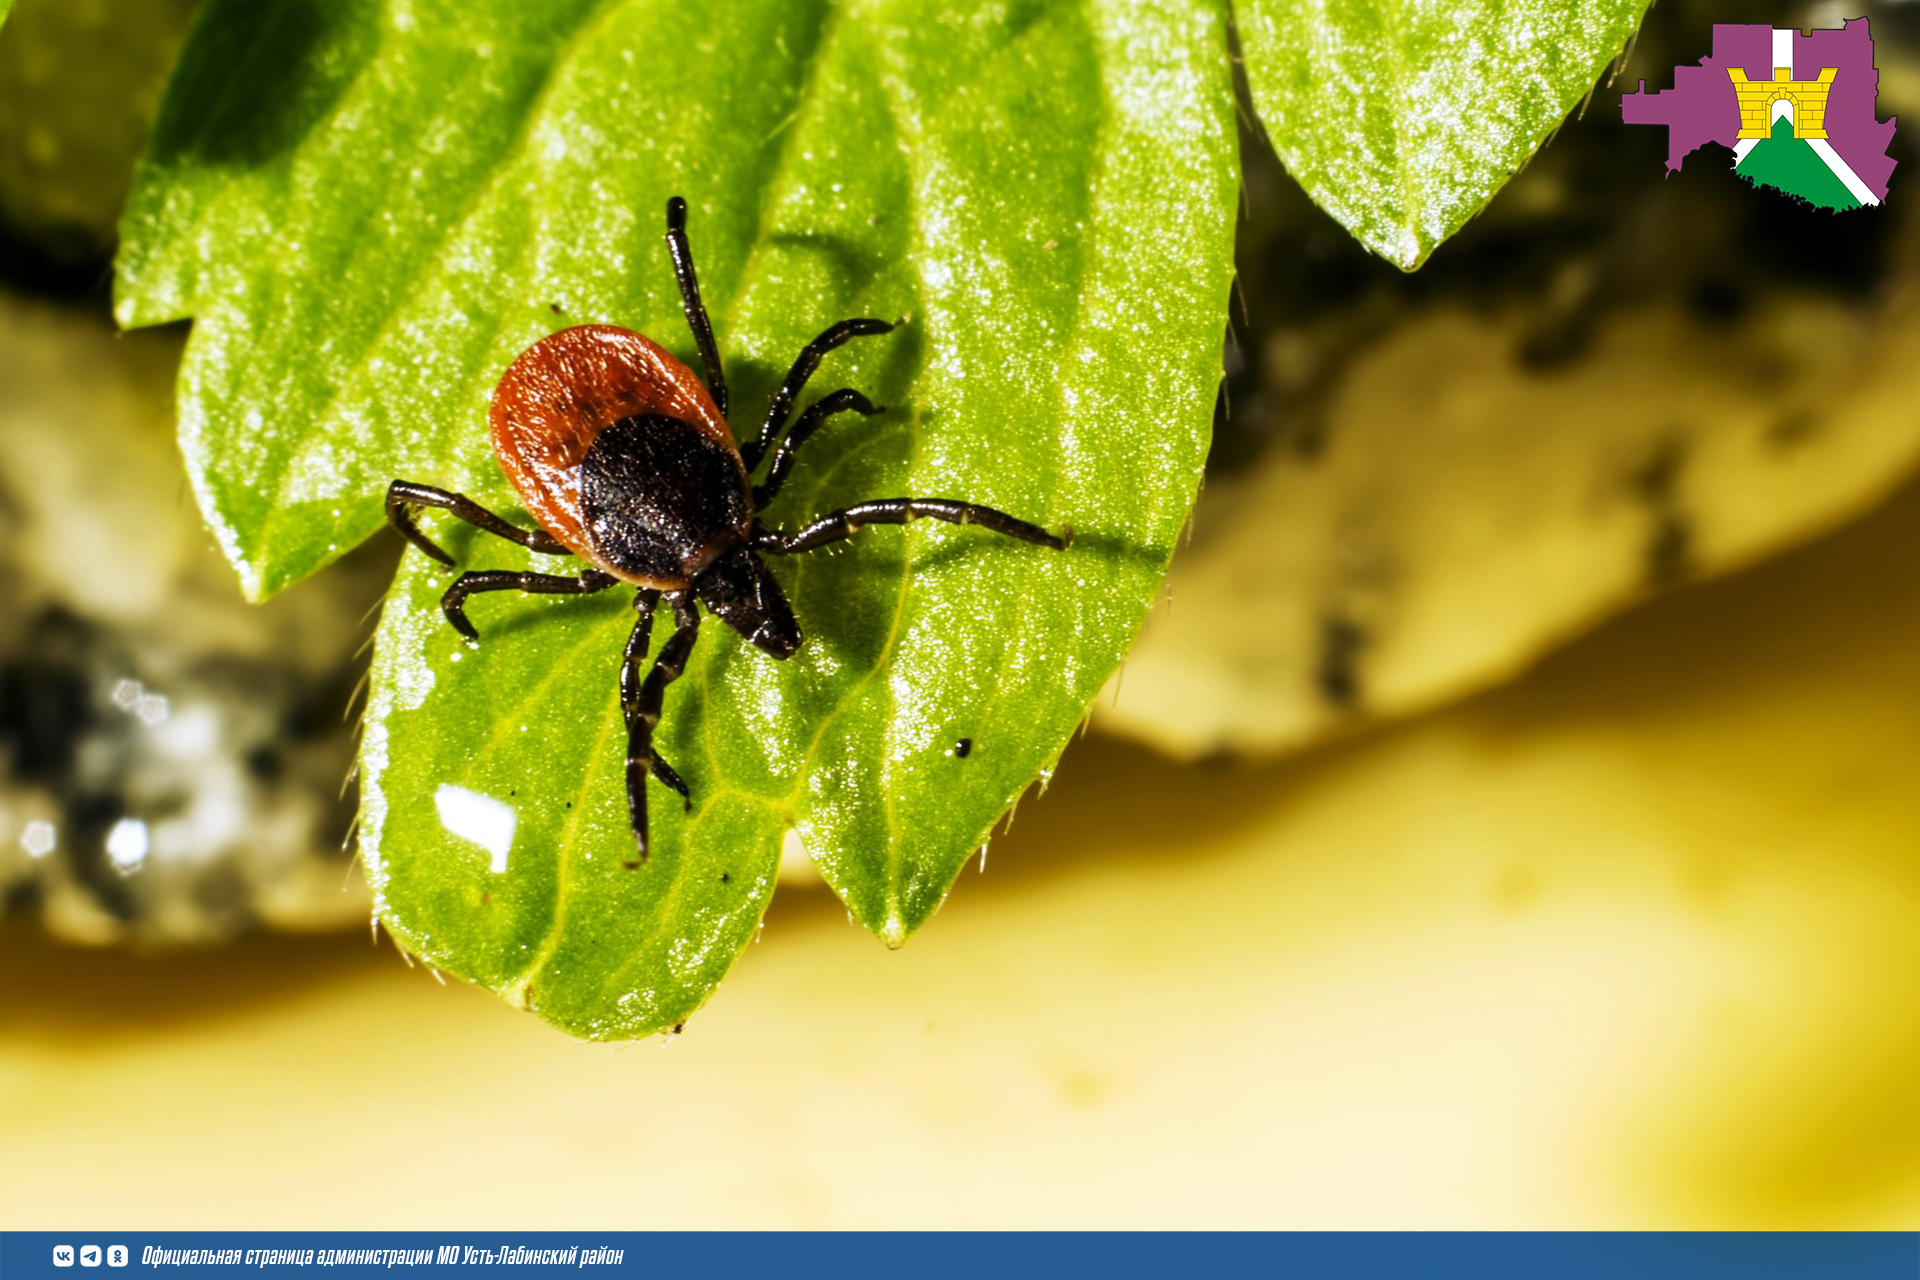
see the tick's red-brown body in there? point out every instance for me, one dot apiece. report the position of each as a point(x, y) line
point(623, 456)
point(558, 396)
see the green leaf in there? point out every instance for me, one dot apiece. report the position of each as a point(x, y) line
point(1402, 120)
point(370, 211)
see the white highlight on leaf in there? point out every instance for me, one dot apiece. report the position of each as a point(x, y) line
point(475, 816)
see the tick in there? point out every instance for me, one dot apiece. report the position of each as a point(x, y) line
point(625, 460)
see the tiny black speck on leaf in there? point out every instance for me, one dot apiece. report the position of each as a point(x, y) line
point(725, 878)
point(963, 748)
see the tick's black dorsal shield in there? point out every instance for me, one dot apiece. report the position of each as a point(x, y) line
point(738, 590)
point(657, 497)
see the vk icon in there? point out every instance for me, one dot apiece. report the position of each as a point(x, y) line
point(63, 1255)
point(89, 1255)
point(116, 1255)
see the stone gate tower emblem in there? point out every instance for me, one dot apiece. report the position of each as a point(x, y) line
point(1807, 98)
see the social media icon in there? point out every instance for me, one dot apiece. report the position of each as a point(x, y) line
point(89, 1255)
point(116, 1255)
point(63, 1255)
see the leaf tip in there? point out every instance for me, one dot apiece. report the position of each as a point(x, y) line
point(254, 584)
point(1407, 250)
point(137, 303)
point(893, 930)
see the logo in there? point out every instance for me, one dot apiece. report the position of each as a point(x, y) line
point(116, 1255)
point(89, 1255)
point(63, 1255)
point(1796, 110)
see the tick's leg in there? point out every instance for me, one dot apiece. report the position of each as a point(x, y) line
point(646, 714)
point(664, 771)
point(454, 602)
point(811, 421)
point(403, 497)
point(796, 380)
point(637, 641)
point(690, 301)
point(838, 525)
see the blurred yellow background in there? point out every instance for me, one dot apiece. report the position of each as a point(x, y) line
point(1631, 942)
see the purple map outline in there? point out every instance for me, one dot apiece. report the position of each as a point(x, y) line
point(1702, 106)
